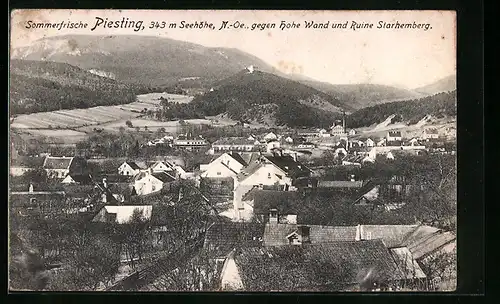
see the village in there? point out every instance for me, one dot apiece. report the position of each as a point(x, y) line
point(283, 209)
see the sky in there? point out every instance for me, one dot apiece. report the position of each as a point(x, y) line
point(407, 58)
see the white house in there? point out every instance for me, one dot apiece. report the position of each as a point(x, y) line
point(59, 167)
point(381, 142)
point(389, 155)
point(393, 136)
point(226, 165)
point(122, 214)
point(150, 182)
point(289, 140)
point(338, 130)
point(129, 168)
point(369, 142)
point(162, 166)
point(77, 179)
point(270, 136)
point(352, 132)
point(430, 133)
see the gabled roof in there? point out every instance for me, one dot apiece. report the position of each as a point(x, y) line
point(395, 133)
point(319, 267)
point(286, 202)
point(222, 237)
point(275, 234)
point(287, 164)
point(163, 176)
point(57, 162)
point(426, 245)
point(27, 161)
point(133, 165)
point(392, 235)
point(81, 178)
point(237, 157)
point(340, 184)
point(407, 264)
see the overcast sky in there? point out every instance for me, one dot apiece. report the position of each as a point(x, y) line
point(404, 57)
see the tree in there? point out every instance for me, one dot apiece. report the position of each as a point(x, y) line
point(129, 124)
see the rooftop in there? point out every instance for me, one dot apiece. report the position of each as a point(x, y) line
point(57, 162)
point(222, 237)
point(234, 141)
point(319, 267)
point(276, 234)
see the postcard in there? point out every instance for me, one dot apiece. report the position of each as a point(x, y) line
point(232, 151)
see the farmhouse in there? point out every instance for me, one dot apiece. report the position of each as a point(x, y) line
point(129, 168)
point(122, 214)
point(430, 133)
point(304, 268)
point(21, 165)
point(270, 137)
point(183, 142)
point(369, 142)
point(226, 165)
point(80, 179)
point(150, 182)
point(394, 136)
point(59, 167)
point(234, 144)
point(306, 145)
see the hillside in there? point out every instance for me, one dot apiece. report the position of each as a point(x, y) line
point(151, 61)
point(359, 96)
point(261, 96)
point(443, 85)
point(409, 111)
point(40, 86)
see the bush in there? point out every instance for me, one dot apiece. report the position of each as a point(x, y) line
point(129, 124)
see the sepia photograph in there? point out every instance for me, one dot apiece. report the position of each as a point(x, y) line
point(232, 151)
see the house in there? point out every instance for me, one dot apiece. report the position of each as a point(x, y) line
point(257, 203)
point(323, 133)
point(59, 167)
point(389, 155)
point(382, 142)
point(183, 142)
point(364, 265)
point(122, 214)
point(150, 182)
point(226, 165)
point(80, 179)
point(35, 200)
point(234, 144)
point(289, 140)
point(430, 133)
point(340, 185)
point(20, 165)
point(222, 237)
point(306, 145)
point(129, 168)
point(163, 166)
point(370, 143)
point(338, 130)
point(352, 132)
point(393, 136)
point(413, 142)
point(270, 137)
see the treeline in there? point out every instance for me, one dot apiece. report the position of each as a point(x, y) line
point(411, 111)
point(39, 86)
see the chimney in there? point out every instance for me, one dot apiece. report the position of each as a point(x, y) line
point(304, 233)
point(30, 188)
point(273, 216)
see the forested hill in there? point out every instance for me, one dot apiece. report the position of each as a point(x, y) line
point(410, 111)
point(40, 86)
point(264, 97)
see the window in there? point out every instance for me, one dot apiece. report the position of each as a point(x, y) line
point(269, 175)
point(218, 173)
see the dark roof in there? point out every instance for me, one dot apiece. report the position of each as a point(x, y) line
point(287, 164)
point(395, 133)
point(164, 177)
point(222, 237)
point(237, 157)
point(340, 184)
point(276, 234)
point(286, 202)
point(27, 161)
point(81, 178)
point(57, 162)
point(115, 178)
point(133, 165)
point(319, 267)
